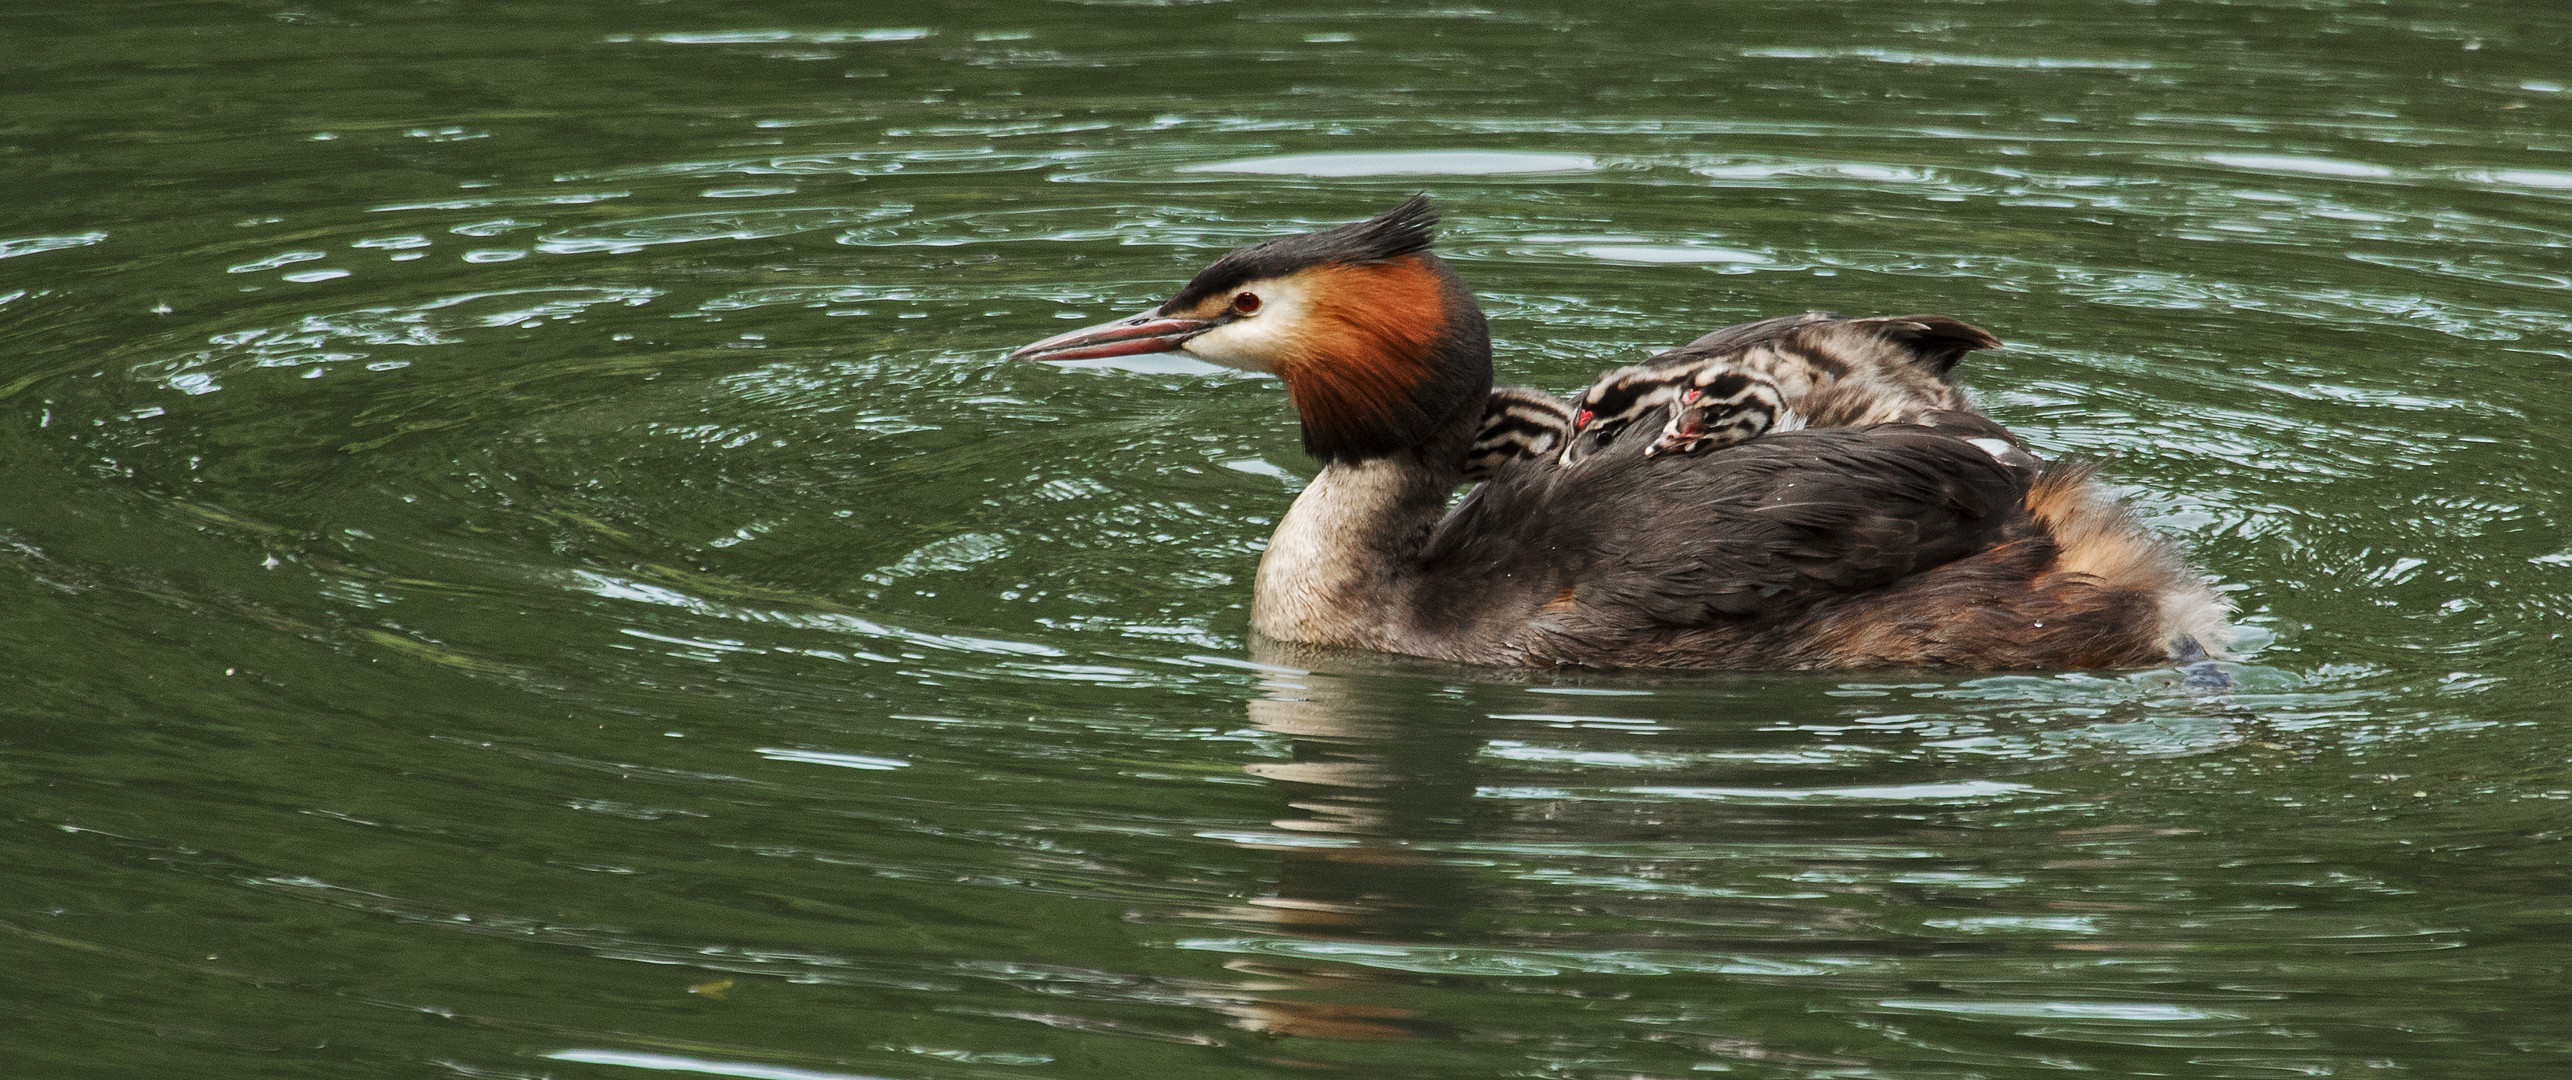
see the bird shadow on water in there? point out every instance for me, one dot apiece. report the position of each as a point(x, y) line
point(1440, 827)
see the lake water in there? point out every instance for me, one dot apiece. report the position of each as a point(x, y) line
point(520, 557)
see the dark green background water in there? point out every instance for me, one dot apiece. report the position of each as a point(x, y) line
point(519, 556)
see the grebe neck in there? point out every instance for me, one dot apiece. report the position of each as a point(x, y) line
point(1343, 558)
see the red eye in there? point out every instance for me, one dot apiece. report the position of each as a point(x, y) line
point(1245, 303)
point(1692, 394)
point(1582, 420)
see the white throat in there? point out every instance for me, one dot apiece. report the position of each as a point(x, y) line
point(1335, 569)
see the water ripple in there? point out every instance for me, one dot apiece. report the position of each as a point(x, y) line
point(1404, 163)
point(631, 235)
point(620, 586)
point(29, 245)
point(335, 337)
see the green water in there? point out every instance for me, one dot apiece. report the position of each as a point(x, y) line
point(519, 556)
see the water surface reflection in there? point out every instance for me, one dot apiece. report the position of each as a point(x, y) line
point(518, 553)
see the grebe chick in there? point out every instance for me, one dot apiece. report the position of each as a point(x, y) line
point(1722, 404)
point(1617, 400)
point(1519, 423)
point(1873, 545)
point(1830, 371)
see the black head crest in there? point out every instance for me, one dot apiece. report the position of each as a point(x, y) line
point(1404, 230)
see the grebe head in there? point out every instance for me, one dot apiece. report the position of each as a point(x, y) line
point(1618, 399)
point(1378, 343)
point(1720, 404)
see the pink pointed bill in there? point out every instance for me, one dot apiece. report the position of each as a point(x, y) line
point(1146, 332)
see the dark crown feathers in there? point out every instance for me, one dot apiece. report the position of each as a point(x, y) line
point(1404, 230)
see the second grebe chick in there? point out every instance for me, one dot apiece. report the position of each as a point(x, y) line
point(1722, 404)
point(1619, 398)
point(1829, 371)
point(1518, 423)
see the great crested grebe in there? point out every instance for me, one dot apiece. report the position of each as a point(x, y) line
point(1930, 541)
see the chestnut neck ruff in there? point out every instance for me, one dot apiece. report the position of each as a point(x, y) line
point(1392, 352)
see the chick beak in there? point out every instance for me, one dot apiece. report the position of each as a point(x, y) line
point(1143, 332)
point(1680, 435)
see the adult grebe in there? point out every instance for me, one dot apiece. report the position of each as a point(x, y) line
point(1932, 541)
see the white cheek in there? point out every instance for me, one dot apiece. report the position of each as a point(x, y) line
point(1249, 344)
point(1255, 342)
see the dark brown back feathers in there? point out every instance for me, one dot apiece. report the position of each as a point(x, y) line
point(1897, 544)
point(1762, 526)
